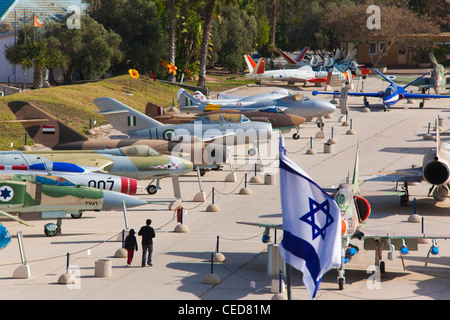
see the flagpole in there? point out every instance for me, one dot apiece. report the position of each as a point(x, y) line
point(288, 281)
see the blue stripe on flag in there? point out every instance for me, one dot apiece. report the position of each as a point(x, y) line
point(304, 250)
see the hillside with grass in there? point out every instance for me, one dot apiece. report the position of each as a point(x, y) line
point(72, 104)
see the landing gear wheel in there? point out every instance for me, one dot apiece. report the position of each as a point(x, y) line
point(76, 215)
point(382, 268)
point(295, 136)
point(151, 189)
point(404, 200)
point(341, 283)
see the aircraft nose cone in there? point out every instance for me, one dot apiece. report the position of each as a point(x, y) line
point(114, 200)
point(188, 166)
point(326, 107)
point(296, 120)
point(180, 165)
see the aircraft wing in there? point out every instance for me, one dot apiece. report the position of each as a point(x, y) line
point(93, 164)
point(356, 94)
point(230, 96)
point(422, 96)
point(397, 239)
point(380, 234)
point(403, 175)
point(212, 137)
point(262, 225)
point(15, 218)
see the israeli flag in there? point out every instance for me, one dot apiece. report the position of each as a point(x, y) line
point(311, 224)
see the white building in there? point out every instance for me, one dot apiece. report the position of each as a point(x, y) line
point(13, 12)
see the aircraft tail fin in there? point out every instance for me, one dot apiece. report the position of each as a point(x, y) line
point(355, 181)
point(416, 80)
point(286, 57)
point(153, 110)
point(250, 63)
point(42, 127)
point(260, 66)
point(301, 55)
point(123, 117)
point(384, 77)
point(186, 100)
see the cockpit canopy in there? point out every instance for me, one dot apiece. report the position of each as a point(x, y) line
point(223, 118)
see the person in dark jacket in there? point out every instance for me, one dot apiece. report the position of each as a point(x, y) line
point(147, 233)
point(131, 245)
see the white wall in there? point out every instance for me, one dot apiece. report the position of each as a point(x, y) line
point(7, 69)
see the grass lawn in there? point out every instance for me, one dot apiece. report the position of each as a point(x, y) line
point(72, 104)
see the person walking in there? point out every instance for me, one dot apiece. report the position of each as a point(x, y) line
point(147, 233)
point(130, 246)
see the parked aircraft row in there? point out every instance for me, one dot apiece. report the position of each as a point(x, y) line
point(324, 62)
point(155, 150)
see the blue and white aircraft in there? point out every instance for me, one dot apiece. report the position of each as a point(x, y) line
point(393, 93)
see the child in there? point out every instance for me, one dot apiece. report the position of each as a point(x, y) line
point(130, 245)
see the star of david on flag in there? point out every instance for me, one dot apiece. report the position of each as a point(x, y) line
point(312, 238)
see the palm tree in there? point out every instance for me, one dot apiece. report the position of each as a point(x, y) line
point(208, 14)
point(172, 35)
point(33, 53)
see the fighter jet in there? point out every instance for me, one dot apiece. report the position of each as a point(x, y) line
point(275, 116)
point(437, 80)
point(393, 93)
point(137, 162)
point(207, 128)
point(293, 104)
point(35, 200)
point(50, 132)
point(355, 211)
point(435, 171)
point(72, 174)
point(303, 74)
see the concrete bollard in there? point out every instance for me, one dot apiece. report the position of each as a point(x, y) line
point(199, 197)
point(181, 228)
point(231, 177)
point(211, 278)
point(67, 278)
point(255, 179)
point(245, 191)
point(103, 268)
point(320, 135)
point(213, 208)
point(22, 272)
point(328, 148)
point(121, 253)
point(269, 179)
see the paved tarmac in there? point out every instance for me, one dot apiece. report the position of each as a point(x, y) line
point(388, 141)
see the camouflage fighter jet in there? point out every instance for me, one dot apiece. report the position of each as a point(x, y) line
point(137, 162)
point(275, 116)
point(33, 200)
point(215, 127)
point(50, 132)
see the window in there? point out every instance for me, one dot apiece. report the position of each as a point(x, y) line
point(373, 48)
point(382, 46)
